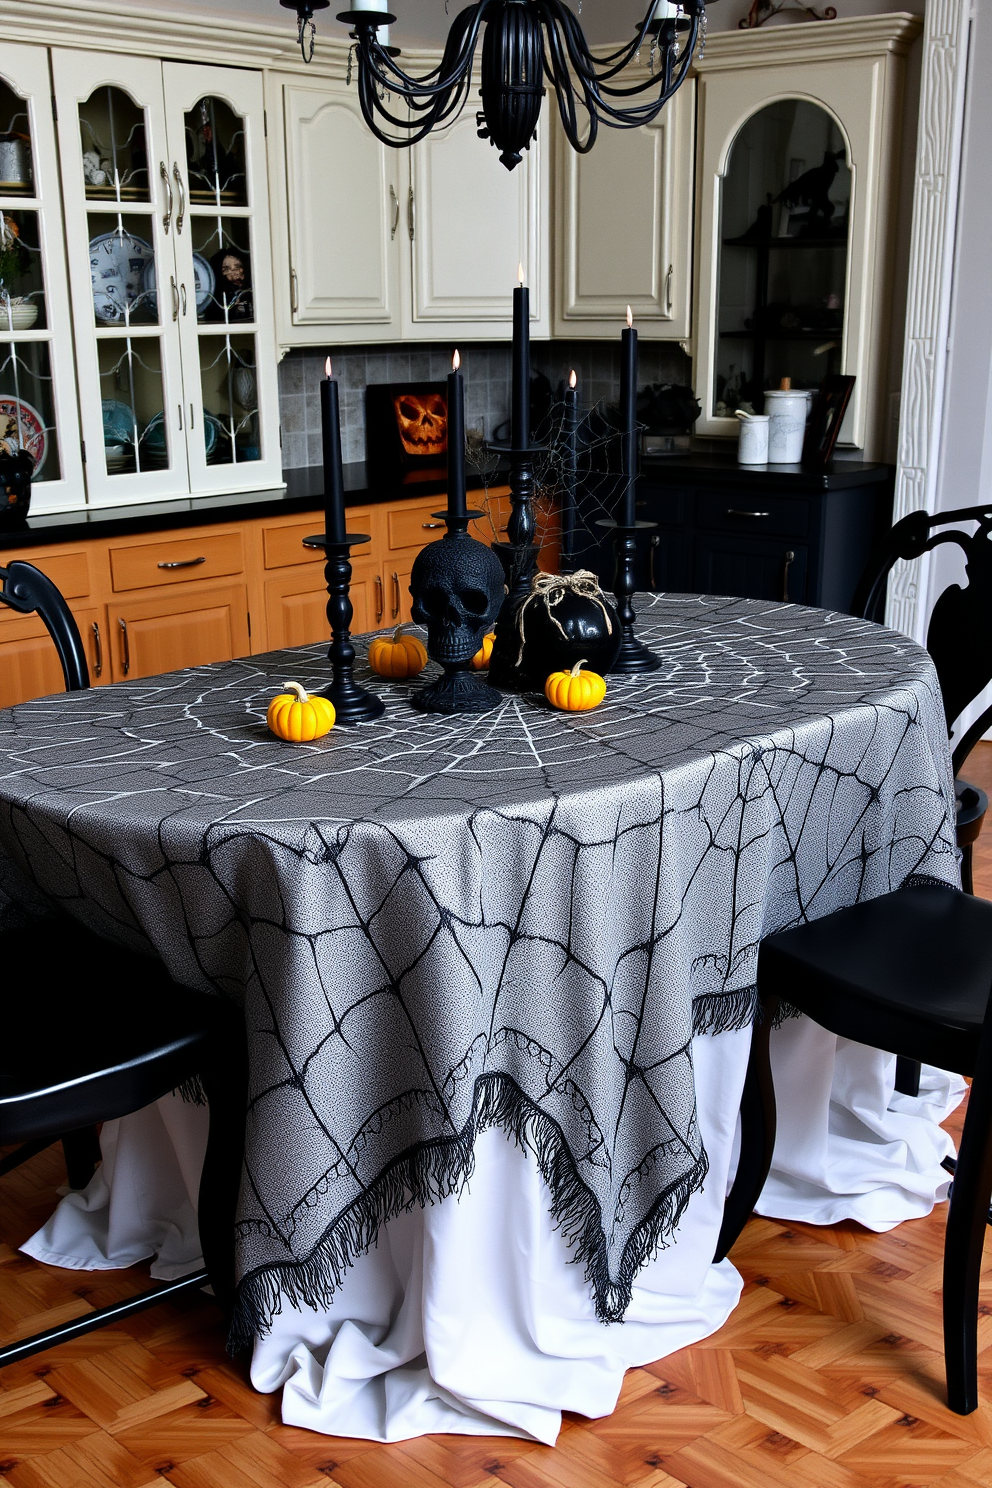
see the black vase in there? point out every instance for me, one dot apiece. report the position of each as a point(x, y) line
point(568, 628)
point(16, 470)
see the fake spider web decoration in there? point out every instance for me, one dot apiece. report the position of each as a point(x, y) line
point(519, 920)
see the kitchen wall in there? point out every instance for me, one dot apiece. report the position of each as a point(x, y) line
point(487, 383)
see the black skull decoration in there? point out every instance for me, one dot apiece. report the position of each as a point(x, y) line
point(458, 588)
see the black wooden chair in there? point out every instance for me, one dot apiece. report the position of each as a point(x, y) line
point(959, 638)
point(911, 973)
point(90, 1031)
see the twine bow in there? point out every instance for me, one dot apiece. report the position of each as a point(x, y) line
point(552, 588)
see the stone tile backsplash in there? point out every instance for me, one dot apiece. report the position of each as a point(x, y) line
point(487, 383)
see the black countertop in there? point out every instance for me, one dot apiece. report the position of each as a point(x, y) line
point(304, 491)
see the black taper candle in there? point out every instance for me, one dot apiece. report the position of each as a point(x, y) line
point(330, 428)
point(628, 421)
point(520, 411)
point(457, 502)
point(570, 439)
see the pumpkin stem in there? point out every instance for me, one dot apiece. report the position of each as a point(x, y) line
point(397, 633)
point(301, 692)
point(578, 667)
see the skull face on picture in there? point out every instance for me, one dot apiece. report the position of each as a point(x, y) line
point(457, 589)
point(422, 421)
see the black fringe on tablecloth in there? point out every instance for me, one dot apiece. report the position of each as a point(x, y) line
point(431, 1171)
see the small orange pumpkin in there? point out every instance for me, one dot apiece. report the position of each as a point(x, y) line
point(299, 718)
point(575, 691)
point(480, 661)
point(397, 656)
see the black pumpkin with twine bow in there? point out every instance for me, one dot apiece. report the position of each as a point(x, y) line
point(564, 619)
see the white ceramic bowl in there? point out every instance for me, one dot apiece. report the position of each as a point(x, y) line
point(18, 314)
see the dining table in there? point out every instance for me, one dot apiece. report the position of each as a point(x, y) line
point(498, 979)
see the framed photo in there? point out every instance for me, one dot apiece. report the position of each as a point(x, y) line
point(825, 419)
point(406, 430)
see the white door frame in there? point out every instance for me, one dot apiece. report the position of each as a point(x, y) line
point(946, 40)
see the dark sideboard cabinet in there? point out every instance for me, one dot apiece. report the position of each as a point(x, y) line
point(763, 532)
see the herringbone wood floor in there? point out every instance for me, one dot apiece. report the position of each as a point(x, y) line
point(829, 1375)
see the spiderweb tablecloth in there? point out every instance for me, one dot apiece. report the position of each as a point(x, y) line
point(436, 925)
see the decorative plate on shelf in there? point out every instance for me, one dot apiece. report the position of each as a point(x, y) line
point(118, 264)
point(22, 427)
point(118, 422)
point(153, 439)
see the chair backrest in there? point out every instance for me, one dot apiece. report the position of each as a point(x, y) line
point(28, 590)
point(960, 634)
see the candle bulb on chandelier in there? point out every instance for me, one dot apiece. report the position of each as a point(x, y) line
point(628, 419)
point(457, 502)
point(520, 412)
point(330, 428)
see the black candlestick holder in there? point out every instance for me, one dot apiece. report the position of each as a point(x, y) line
point(634, 655)
point(518, 556)
point(352, 704)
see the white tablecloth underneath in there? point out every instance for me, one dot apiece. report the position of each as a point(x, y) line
point(467, 1317)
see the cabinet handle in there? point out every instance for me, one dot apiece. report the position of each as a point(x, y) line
point(175, 296)
point(294, 292)
point(380, 598)
point(182, 563)
point(192, 421)
point(431, 526)
point(655, 544)
point(126, 646)
point(182, 295)
point(790, 558)
point(167, 219)
point(733, 511)
point(98, 648)
point(668, 288)
point(396, 596)
point(181, 214)
point(411, 215)
point(396, 211)
point(179, 409)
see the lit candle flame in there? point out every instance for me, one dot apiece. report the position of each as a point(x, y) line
point(327, 367)
point(520, 274)
point(572, 379)
point(630, 317)
point(456, 360)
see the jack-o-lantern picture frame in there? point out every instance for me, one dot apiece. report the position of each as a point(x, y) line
point(406, 428)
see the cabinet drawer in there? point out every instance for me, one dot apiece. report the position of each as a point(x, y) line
point(283, 546)
point(752, 515)
point(656, 504)
point(413, 526)
point(69, 572)
point(151, 564)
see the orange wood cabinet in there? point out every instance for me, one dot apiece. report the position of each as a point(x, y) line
point(158, 601)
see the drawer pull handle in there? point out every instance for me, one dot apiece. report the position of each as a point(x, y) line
point(431, 526)
point(98, 648)
point(733, 511)
point(126, 662)
point(380, 599)
point(183, 563)
point(396, 596)
point(790, 558)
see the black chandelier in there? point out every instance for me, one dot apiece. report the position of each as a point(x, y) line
point(526, 42)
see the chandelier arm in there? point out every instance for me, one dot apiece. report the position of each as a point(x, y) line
point(373, 109)
point(458, 57)
point(557, 71)
point(585, 64)
point(669, 79)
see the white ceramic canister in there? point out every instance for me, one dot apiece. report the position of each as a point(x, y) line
point(787, 412)
point(752, 444)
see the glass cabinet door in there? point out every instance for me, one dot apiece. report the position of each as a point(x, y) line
point(122, 193)
point(37, 396)
point(216, 131)
point(784, 228)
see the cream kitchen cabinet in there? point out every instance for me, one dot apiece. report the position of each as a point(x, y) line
point(623, 228)
point(389, 245)
point(166, 231)
point(758, 287)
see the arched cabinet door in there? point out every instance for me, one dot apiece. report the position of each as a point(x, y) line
point(37, 392)
point(120, 214)
point(216, 133)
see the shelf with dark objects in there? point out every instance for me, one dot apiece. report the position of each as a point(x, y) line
point(304, 493)
point(760, 532)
